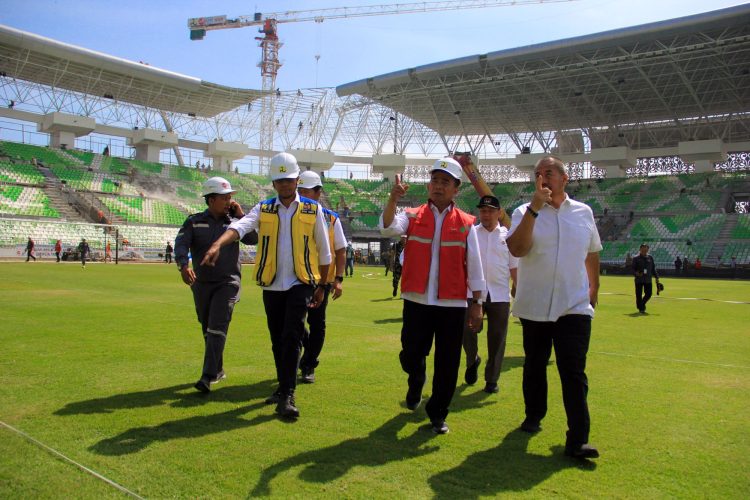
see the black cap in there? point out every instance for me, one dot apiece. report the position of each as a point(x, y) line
point(489, 201)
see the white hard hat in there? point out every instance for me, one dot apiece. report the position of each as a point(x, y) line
point(217, 185)
point(448, 165)
point(308, 180)
point(284, 166)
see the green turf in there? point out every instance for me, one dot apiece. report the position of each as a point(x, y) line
point(99, 364)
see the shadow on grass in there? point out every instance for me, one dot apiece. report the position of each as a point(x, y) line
point(134, 440)
point(387, 320)
point(379, 447)
point(637, 314)
point(172, 395)
point(507, 467)
point(387, 299)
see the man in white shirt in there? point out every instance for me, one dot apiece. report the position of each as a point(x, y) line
point(558, 244)
point(291, 265)
point(310, 186)
point(441, 260)
point(499, 267)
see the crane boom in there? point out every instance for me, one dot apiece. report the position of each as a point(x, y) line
point(319, 15)
point(270, 44)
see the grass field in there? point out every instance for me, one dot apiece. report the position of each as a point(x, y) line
point(99, 365)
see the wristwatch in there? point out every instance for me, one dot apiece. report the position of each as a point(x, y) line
point(340, 279)
point(476, 301)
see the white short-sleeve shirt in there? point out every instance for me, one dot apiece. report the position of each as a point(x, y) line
point(552, 278)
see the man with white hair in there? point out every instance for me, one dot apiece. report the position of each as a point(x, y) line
point(441, 261)
point(291, 262)
point(215, 289)
point(311, 186)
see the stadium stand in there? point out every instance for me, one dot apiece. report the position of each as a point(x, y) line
point(21, 173)
point(30, 201)
point(678, 215)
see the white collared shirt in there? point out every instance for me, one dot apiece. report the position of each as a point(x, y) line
point(496, 262)
point(285, 276)
point(475, 276)
point(552, 278)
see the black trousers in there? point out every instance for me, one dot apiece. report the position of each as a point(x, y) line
point(214, 304)
point(497, 333)
point(422, 323)
point(642, 294)
point(285, 315)
point(313, 340)
point(570, 337)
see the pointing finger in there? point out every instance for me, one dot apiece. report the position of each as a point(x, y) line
point(539, 182)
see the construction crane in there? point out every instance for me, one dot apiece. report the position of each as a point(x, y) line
point(270, 44)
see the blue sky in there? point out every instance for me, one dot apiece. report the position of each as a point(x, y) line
point(155, 31)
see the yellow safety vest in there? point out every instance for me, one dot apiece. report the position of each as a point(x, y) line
point(304, 250)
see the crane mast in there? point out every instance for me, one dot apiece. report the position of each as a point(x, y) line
point(270, 44)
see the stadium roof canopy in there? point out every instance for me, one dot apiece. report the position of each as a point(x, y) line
point(34, 58)
point(646, 86)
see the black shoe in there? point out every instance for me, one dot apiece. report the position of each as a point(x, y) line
point(219, 377)
point(308, 375)
point(530, 426)
point(471, 372)
point(582, 451)
point(286, 407)
point(491, 388)
point(203, 385)
point(273, 399)
point(439, 427)
point(413, 398)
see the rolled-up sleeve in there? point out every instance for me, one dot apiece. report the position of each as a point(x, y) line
point(398, 227)
point(474, 271)
point(248, 223)
point(321, 239)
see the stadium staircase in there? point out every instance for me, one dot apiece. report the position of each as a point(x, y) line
point(60, 201)
point(720, 245)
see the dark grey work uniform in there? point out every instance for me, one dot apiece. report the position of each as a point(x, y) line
point(643, 286)
point(216, 289)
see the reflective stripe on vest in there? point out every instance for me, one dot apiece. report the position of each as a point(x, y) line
point(304, 250)
point(452, 277)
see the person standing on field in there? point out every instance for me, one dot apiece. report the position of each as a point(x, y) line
point(84, 250)
point(58, 249)
point(499, 268)
point(311, 186)
point(558, 245)
point(644, 270)
point(291, 264)
point(441, 260)
point(30, 250)
point(216, 289)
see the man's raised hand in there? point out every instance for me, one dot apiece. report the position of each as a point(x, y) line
point(542, 194)
point(399, 190)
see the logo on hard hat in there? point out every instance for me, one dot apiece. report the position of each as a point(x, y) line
point(443, 164)
point(282, 168)
point(224, 185)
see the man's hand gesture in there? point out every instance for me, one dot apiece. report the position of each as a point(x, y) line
point(399, 190)
point(542, 194)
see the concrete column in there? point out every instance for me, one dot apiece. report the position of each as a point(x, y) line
point(64, 128)
point(148, 143)
point(223, 154)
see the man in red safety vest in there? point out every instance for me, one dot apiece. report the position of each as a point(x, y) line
point(441, 260)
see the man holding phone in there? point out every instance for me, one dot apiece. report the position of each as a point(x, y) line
point(216, 289)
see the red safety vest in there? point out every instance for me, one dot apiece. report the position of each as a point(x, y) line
point(452, 277)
